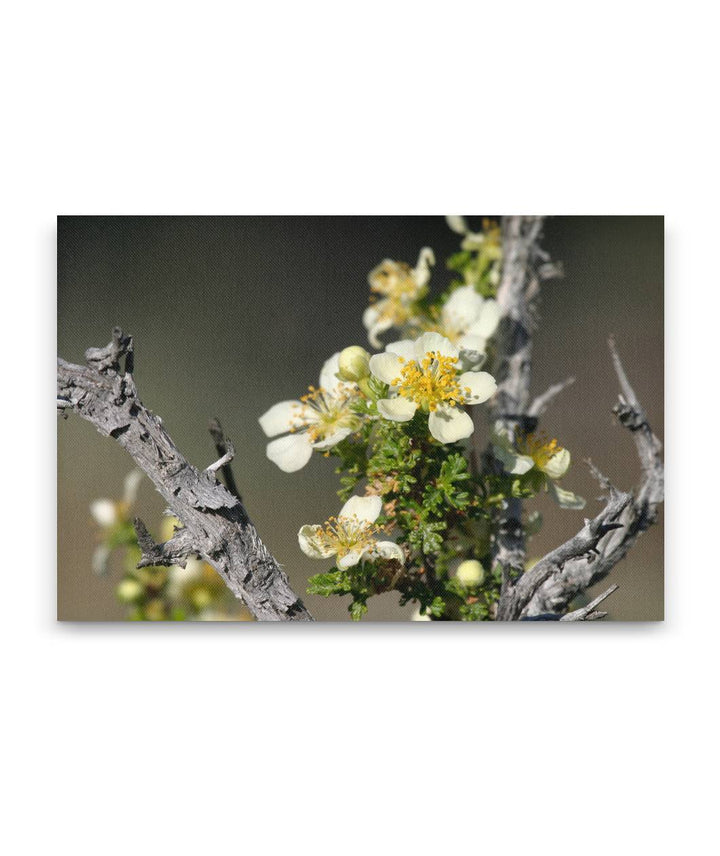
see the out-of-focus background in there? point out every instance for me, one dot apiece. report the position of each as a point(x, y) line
point(232, 314)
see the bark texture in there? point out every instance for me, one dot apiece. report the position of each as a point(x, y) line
point(215, 523)
point(548, 588)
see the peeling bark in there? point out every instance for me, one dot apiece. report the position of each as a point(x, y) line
point(215, 523)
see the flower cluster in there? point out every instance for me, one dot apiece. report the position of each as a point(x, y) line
point(398, 422)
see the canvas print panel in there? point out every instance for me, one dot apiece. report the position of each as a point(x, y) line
point(432, 418)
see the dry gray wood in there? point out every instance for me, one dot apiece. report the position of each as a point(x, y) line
point(215, 523)
point(524, 265)
point(632, 512)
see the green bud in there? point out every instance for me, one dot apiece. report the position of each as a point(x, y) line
point(354, 364)
point(470, 572)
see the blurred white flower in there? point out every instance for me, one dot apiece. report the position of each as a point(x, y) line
point(319, 420)
point(399, 286)
point(425, 374)
point(350, 536)
point(468, 319)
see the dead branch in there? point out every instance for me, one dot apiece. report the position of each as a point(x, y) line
point(215, 523)
point(590, 555)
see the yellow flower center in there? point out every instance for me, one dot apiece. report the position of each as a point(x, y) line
point(342, 535)
point(393, 279)
point(432, 382)
point(539, 448)
point(322, 413)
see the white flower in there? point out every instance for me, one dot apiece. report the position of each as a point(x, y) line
point(400, 286)
point(548, 456)
point(319, 420)
point(468, 319)
point(104, 512)
point(107, 512)
point(350, 536)
point(425, 374)
point(420, 616)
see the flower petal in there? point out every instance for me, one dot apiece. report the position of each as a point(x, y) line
point(281, 417)
point(487, 320)
point(311, 545)
point(332, 439)
point(404, 348)
point(365, 508)
point(132, 483)
point(450, 424)
point(457, 223)
point(386, 367)
point(375, 323)
point(388, 550)
point(481, 385)
point(565, 498)
point(291, 452)
point(104, 511)
point(558, 465)
point(462, 308)
point(512, 462)
point(434, 342)
point(349, 560)
point(397, 409)
point(421, 272)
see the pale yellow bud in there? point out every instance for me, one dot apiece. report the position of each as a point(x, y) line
point(470, 572)
point(129, 590)
point(354, 364)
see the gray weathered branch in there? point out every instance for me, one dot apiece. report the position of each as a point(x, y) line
point(590, 555)
point(524, 265)
point(216, 525)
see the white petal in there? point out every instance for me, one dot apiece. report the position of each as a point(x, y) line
point(103, 511)
point(565, 498)
point(388, 550)
point(281, 417)
point(513, 463)
point(457, 223)
point(365, 508)
point(404, 348)
point(487, 319)
point(558, 465)
point(462, 308)
point(470, 342)
point(450, 424)
point(481, 384)
point(349, 559)
point(311, 545)
point(375, 324)
point(422, 268)
point(386, 367)
point(397, 409)
point(328, 377)
point(434, 342)
point(291, 452)
point(132, 483)
point(332, 439)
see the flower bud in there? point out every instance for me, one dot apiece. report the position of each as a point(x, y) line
point(354, 364)
point(129, 590)
point(470, 572)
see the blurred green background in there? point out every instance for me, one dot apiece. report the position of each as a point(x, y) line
point(232, 314)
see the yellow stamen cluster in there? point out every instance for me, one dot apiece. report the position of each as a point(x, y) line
point(432, 382)
point(539, 448)
point(342, 535)
point(393, 279)
point(322, 413)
